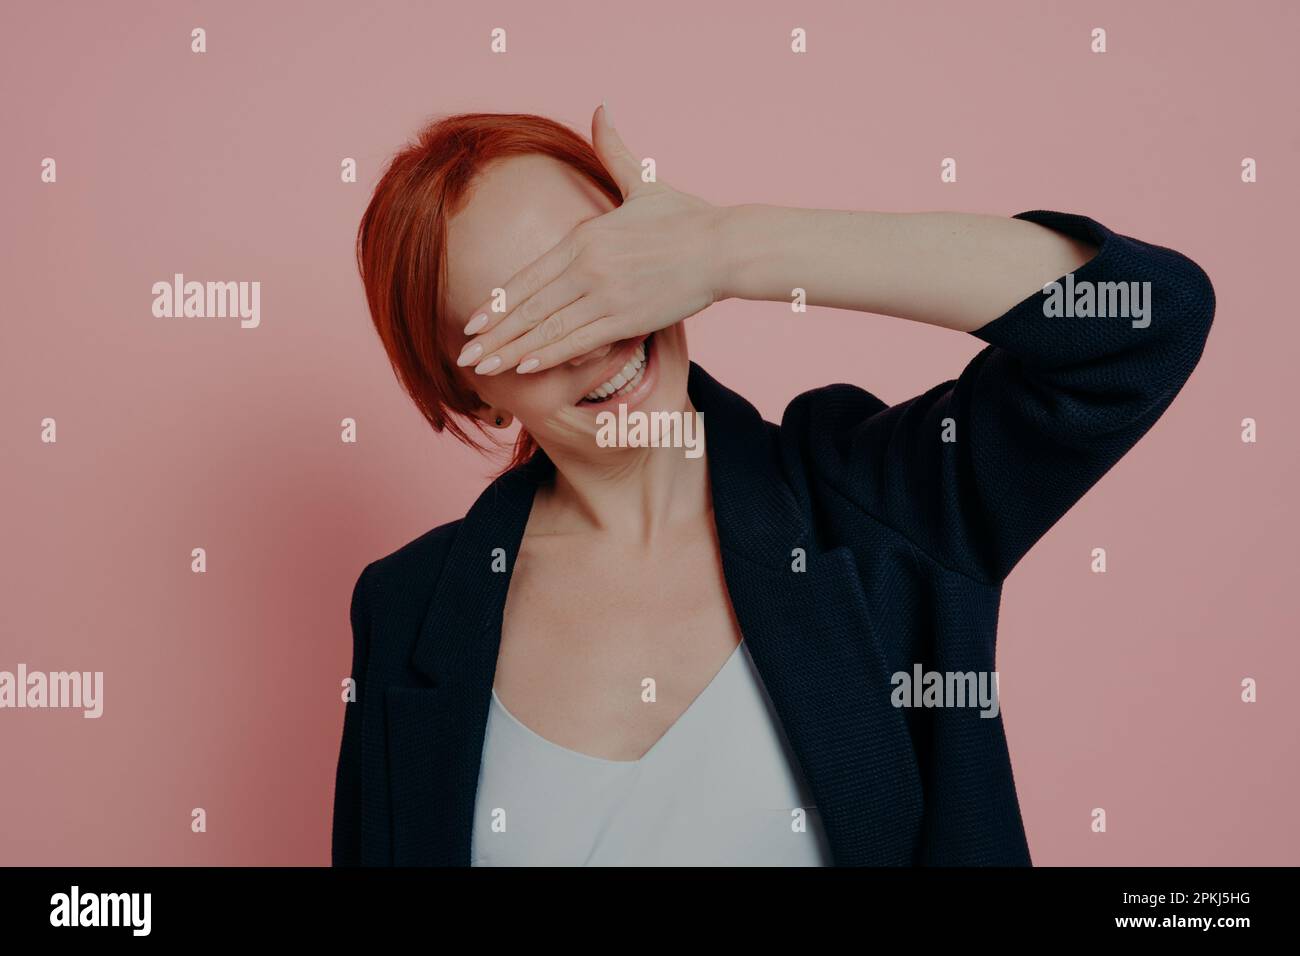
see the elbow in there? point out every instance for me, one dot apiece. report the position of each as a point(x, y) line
point(1191, 304)
point(1180, 308)
point(1197, 301)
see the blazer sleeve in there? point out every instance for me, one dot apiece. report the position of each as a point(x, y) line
point(974, 471)
point(346, 840)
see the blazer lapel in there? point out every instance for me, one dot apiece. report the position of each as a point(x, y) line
point(808, 632)
point(811, 638)
point(435, 733)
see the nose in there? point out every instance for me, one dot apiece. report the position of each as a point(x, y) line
point(597, 353)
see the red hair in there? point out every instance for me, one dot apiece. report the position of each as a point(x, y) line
point(402, 250)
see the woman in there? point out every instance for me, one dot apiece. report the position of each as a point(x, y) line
point(633, 655)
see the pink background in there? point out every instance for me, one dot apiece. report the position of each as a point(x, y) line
point(222, 689)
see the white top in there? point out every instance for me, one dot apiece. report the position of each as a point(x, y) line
point(720, 788)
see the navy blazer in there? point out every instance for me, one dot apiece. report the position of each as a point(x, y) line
point(908, 535)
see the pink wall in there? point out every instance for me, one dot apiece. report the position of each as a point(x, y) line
point(221, 689)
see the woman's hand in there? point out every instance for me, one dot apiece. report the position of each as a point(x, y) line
point(639, 268)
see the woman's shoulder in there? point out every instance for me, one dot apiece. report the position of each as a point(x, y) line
point(818, 428)
point(828, 408)
point(420, 559)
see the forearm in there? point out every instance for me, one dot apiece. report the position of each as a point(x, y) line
point(958, 270)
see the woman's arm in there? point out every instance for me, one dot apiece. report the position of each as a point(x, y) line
point(975, 470)
point(957, 270)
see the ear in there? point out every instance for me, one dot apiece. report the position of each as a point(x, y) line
point(494, 417)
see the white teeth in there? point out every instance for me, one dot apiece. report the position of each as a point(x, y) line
point(627, 378)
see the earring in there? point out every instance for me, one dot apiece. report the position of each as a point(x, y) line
point(500, 421)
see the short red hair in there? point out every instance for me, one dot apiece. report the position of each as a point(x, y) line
point(402, 249)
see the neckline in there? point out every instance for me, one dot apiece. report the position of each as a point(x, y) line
point(654, 747)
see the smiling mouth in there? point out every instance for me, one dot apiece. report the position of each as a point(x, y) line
point(625, 380)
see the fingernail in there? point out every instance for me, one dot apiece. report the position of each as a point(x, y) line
point(476, 324)
point(489, 364)
point(470, 355)
point(605, 107)
point(527, 365)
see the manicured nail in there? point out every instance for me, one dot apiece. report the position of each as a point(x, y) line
point(527, 365)
point(470, 355)
point(489, 364)
point(476, 324)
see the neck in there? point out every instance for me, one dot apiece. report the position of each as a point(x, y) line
point(635, 493)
